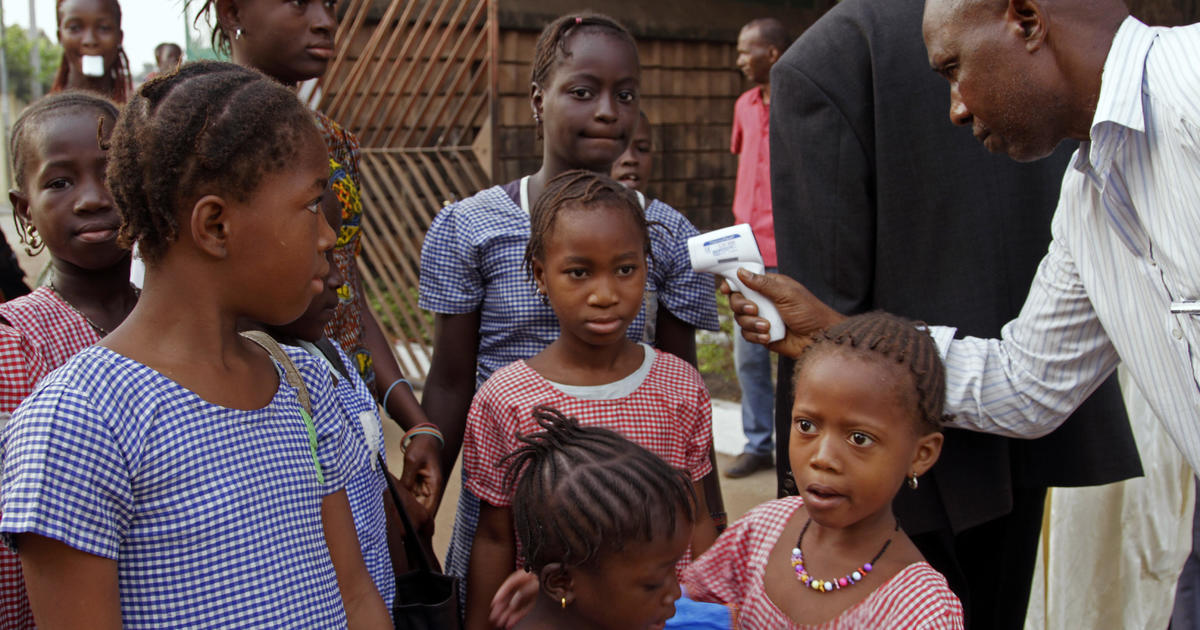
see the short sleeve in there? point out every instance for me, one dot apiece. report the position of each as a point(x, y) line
point(699, 462)
point(338, 449)
point(65, 476)
point(451, 281)
point(720, 575)
point(688, 295)
point(486, 442)
point(20, 366)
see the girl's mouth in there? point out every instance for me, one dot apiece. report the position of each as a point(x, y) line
point(603, 326)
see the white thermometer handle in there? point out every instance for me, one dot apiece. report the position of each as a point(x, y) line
point(766, 308)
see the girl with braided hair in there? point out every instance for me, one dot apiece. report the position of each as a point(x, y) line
point(176, 474)
point(61, 203)
point(292, 42)
point(93, 58)
point(588, 252)
point(866, 421)
point(601, 522)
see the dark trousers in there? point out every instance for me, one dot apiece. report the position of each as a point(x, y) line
point(990, 566)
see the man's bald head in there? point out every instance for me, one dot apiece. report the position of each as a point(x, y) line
point(1024, 74)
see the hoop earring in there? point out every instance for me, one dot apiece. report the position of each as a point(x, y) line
point(237, 33)
point(912, 481)
point(33, 243)
point(564, 601)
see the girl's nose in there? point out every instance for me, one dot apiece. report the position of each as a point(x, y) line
point(824, 456)
point(93, 197)
point(325, 236)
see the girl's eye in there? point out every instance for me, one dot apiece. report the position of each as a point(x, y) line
point(626, 270)
point(577, 274)
point(627, 96)
point(580, 92)
point(859, 438)
point(58, 183)
point(330, 4)
point(314, 206)
point(805, 426)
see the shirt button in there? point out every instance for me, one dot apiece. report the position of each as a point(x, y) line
point(1178, 333)
point(1153, 263)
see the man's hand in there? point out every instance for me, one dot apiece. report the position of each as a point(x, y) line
point(802, 313)
point(423, 471)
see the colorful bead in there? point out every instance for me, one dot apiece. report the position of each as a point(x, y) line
point(825, 586)
point(856, 576)
point(843, 581)
point(867, 567)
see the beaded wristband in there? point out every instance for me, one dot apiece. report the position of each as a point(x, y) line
point(425, 428)
point(388, 393)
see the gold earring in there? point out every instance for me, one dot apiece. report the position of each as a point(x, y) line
point(33, 244)
point(912, 481)
point(564, 601)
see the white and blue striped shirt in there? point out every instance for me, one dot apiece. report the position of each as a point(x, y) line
point(1124, 260)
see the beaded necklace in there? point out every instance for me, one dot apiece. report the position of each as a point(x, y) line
point(826, 586)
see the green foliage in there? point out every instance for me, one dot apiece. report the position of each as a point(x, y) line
point(17, 52)
point(714, 355)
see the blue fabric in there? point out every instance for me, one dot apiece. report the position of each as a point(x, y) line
point(366, 484)
point(693, 615)
point(212, 514)
point(472, 257)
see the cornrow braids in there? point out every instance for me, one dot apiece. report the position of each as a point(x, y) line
point(584, 190)
point(580, 493)
point(38, 114)
point(210, 127)
point(904, 342)
point(120, 74)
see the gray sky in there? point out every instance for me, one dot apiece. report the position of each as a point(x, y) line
point(146, 23)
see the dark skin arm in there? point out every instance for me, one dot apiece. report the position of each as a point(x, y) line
point(679, 338)
point(422, 474)
point(364, 607)
point(493, 556)
point(69, 588)
point(451, 383)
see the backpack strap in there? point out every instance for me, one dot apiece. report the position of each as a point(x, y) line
point(292, 375)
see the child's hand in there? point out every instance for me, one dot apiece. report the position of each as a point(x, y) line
point(802, 312)
point(513, 599)
point(423, 471)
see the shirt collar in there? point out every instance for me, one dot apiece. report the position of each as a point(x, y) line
point(1120, 100)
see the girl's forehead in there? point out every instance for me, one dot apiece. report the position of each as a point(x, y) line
point(79, 8)
point(592, 47)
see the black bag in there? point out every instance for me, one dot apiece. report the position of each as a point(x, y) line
point(425, 599)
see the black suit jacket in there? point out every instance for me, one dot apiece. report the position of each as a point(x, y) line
point(881, 203)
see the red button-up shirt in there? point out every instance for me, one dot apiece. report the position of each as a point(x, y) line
point(752, 195)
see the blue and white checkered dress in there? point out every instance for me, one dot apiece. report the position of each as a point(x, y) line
point(472, 260)
point(213, 515)
point(365, 485)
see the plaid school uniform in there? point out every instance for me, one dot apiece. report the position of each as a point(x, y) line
point(43, 331)
point(365, 484)
point(212, 514)
point(669, 414)
point(731, 572)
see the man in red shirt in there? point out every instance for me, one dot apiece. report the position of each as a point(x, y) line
point(759, 46)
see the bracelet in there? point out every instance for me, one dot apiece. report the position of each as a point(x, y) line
point(386, 394)
point(425, 428)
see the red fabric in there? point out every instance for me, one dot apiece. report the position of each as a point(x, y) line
point(731, 572)
point(43, 332)
point(670, 414)
point(752, 195)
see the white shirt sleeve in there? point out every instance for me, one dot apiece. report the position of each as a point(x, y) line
point(1046, 363)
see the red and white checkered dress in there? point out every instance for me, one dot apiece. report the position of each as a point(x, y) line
point(731, 572)
point(43, 332)
point(670, 414)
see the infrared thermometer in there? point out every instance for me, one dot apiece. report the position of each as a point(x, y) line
point(722, 252)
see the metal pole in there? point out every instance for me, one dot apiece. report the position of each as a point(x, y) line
point(35, 54)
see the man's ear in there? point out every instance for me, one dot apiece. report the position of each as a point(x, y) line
point(773, 53)
point(557, 583)
point(20, 207)
point(210, 225)
point(929, 447)
point(1029, 21)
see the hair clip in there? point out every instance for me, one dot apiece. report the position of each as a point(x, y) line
point(578, 20)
